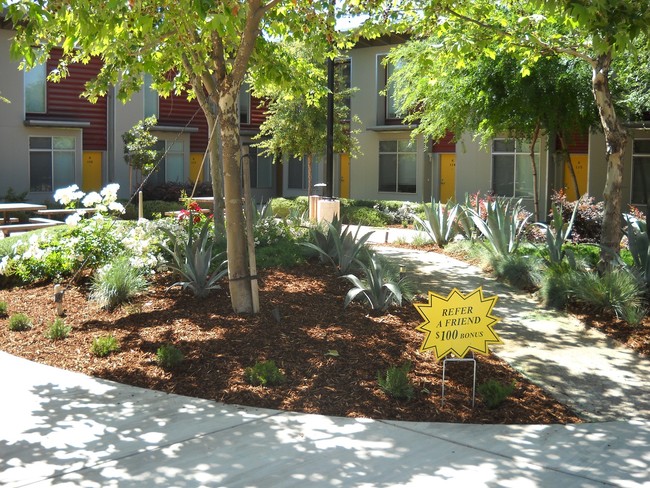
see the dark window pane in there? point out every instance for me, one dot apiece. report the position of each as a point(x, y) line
point(40, 171)
point(387, 172)
point(40, 143)
point(296, 174)
point(503, 173)
point(387, 146)
point(641, 180)
point(503, 145)
point(642, 146)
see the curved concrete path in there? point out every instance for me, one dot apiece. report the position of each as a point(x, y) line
point(59, 428)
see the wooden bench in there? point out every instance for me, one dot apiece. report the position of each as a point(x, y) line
point(34, 224)
point(64, 211)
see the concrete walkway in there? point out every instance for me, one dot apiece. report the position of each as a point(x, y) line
point(59, 428)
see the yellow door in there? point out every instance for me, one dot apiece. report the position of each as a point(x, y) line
point(345, 176)
point(91, 171)
point(195, 167)
point(447, 177)
point(580, 163)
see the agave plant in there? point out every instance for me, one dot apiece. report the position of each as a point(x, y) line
point(338, 247)
point(440, 224)
point(638, 241)
point(557, 233)
point(194, 261)
point(503, 225)
point(380, 288)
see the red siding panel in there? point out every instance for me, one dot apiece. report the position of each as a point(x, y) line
point(178, 111)
point(64, 102)
point(578, 143)
point(444, 145)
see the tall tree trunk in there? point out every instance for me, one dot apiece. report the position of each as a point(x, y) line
point(535, 176)
point(216, 176)
point(238, 275)
point(567, 160)
point(615, 140)
point(310, 159)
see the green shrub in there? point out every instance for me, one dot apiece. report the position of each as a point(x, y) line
point(617, 290)
point(151, 209)
point(522, 272)
point(281, 254)
point(19, 322)
point(364, 216)
point(169, 357)
point(395, 382)
point(58, 330)
point(284, 207)
point(117, 283)
point(556, 286)
point(104, 345)
point(3, 309)
point(264, 373)
point(494, 393)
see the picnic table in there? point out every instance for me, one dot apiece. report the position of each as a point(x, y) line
point(11, 224)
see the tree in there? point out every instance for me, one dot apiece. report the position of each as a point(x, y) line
point(593, 31)
point(296, 122)
point(139, 148)
point(482, 96)
point(204, 47)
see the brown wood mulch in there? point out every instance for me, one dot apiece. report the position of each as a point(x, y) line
point(330, 355)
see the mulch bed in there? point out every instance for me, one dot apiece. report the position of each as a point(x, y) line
point(330, 355)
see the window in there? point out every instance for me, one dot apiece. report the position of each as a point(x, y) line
point(261, 168)
point(397, 166)
point(150, 98)
point(35, 83)
point(172, 165)
point(51, 163)
point(343, 80)
point(641, 171)
point(512, 174)
point(244, 104)
point(391, 103)
point(297, 173)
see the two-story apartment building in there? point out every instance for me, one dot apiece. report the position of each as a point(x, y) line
point(394, 166)
point(50, 138)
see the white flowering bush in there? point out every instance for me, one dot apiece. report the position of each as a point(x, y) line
point(94, 241)
point(269, 231)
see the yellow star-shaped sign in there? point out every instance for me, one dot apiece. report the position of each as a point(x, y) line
point(458, 323)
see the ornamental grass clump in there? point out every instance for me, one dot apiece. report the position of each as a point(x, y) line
point(169, 357)
point(117, 283)
point(58, 330)
point(395, 382)
point(495, 393)
point(19, 322)
point(104, 345)
point(3, 309)
point(264, 373)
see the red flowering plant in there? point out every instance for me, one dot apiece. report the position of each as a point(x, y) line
point(194, 212)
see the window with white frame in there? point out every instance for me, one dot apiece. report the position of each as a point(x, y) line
point(151, 99)
point(512, 173)
point(297, 173)
point(35, 89)
point(51, 162)
point(397, 166)
point(261, 168)
point(172, 165)
point(641, 171)
point(392, 107)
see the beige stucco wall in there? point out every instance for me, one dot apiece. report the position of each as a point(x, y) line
point(364, 169)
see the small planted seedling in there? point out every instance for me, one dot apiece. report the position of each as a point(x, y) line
point(395, 382)
point(494, 393)
point(105, 345)
point(19, 322)
point(3, 309)
point(264, 373)
point(169, 357)
point(58, 330)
